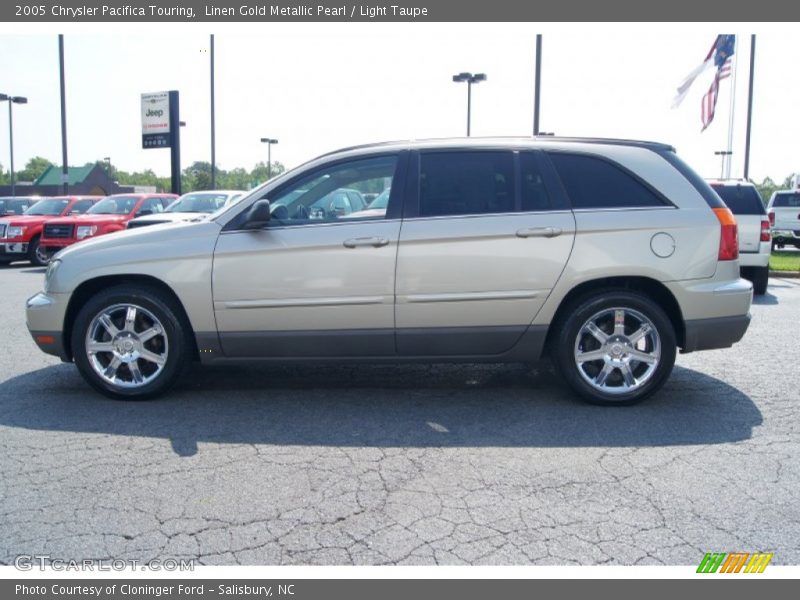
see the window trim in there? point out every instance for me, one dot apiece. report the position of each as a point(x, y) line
point(666, 202)
point(394, 209)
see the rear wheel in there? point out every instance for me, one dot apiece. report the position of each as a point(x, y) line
point(760, 277)
point(37, 254)
point(615, 347)
point(129, 343)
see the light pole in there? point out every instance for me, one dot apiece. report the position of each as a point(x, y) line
point(269, 142)
point(723, 154)
point(107, 160)
point(11, 101)
point(470, 79)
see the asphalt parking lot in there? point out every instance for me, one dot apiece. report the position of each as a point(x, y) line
point(406, 464)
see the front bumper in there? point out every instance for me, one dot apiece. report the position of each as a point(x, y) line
point(44, 315)
point(57, 242)
point(13, 249)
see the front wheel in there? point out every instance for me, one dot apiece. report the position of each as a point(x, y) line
point(615, 347)
point(37, 254)
point(129, 343)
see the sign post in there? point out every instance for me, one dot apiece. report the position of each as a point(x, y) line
point(161, 129)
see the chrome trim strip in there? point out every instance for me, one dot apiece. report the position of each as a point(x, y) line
point(299, 302)
point(471, 296)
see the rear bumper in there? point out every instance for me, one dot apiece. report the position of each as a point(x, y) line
point(755, 259)
point(719, 332)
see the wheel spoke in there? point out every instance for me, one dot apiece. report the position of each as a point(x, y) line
point(152, 357)
point(130, 319)
point(149, 334)
point(644, 357)
point(95, 347)
point(619, 322)
point(627, 375)
point(639, 333)
point(583, 357)
point(136, 374)
point(598, 333)
point(105, 321)
point(607, 369)
point(111, 370)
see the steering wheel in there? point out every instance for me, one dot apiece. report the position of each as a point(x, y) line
point(301, 212)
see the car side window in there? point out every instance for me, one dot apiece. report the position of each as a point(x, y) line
point(533, 191)
point(150, 206)
point(466, 183)
point(324, 195)
point(592, 182)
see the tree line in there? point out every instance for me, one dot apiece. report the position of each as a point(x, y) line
point(196, 176)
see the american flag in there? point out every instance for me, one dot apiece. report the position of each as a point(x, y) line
point(722, 51)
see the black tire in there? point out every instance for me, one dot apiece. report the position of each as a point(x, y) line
point(579, 312)
point(760, 278)
point(34, 256)
point(159, 304)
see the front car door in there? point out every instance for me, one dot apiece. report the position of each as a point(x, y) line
point(486, 237)
point(314, 282)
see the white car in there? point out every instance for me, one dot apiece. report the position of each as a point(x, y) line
point(190, 206)
point(746, 204)
point(784, 216)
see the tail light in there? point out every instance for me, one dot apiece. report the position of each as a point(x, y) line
point(729, 234)
point(772, 219)
point(765, 237)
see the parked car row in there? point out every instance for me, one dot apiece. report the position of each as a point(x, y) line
point(36, 228)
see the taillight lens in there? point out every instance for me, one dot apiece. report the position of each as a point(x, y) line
point(765, 237)
point(772, 219)
point(729, 234)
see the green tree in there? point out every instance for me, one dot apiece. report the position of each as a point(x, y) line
point(196, 177)
point(768, 186)
point(34, 169)
point(5, 178)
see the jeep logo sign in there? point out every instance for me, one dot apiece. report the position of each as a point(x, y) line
point(155, 113)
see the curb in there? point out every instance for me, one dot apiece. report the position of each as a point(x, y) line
point(785, 274)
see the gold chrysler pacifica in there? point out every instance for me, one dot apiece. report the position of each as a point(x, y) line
point(608, 255)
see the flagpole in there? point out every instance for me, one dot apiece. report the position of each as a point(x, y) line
point(749, 107)
point(734, 68)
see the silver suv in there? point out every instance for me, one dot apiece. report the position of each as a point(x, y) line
point(607, 255)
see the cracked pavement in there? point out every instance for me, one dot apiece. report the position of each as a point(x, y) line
point(415, 464)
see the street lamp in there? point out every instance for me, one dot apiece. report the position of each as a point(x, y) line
point(107, 160)
point(269, 142)
point(470, 79)
point(723, 154)
point(11, 101)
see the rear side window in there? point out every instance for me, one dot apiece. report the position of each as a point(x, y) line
point(596, 183)
point(532, 189)
point(741, 199)
point(466, 183)
point(80, 207)
point(786, 201)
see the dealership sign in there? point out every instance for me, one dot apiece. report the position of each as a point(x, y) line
point(155, 120)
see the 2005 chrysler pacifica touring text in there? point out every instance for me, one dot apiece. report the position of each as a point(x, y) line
point(606, 254)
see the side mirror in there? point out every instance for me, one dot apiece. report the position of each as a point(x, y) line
point(257, 215)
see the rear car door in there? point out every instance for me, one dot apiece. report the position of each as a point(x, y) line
point(314, 282)
point(483, 243)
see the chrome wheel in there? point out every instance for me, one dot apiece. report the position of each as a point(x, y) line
point(126, 345)
point(617, 350)
point(41, 255)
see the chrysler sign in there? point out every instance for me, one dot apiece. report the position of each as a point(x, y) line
point(155, 120)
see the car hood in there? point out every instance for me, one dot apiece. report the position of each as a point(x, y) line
point(90, 220)
point(25, 220)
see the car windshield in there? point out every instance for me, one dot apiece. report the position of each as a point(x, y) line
point(741, 199)
point(199, 203)
point(786, 200)
point(10, 206)
point(50, 207)
point(114, 205)
point(382, 201)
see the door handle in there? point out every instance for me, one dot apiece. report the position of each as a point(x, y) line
point(547, 232)
point(375, 242)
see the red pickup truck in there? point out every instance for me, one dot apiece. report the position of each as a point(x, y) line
point(111, 214)
point(20, 235)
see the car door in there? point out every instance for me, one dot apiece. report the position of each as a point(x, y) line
point(484, 242)
point(312, 282)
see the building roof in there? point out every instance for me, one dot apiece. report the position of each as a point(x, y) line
point(52, 176)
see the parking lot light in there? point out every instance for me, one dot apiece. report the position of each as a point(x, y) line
point(469, 78)
point(269, 142)
point(11, 101)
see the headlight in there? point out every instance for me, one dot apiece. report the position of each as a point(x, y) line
point(85, 231)
point(52, 267)
point(15, 231)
